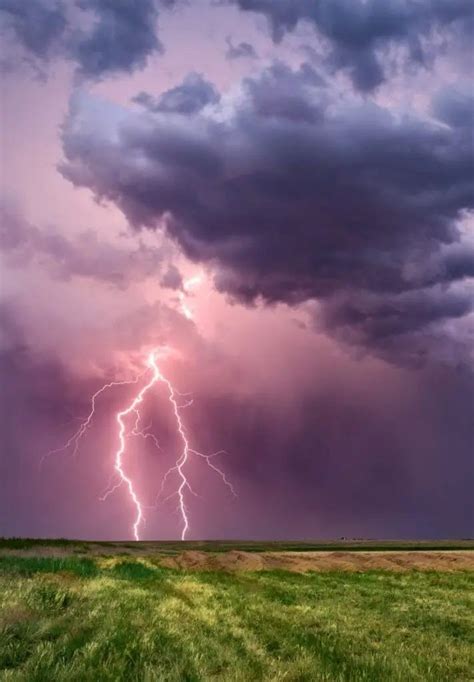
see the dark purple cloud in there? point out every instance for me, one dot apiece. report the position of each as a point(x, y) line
point(36, 24)
point(122, 38)
point(359, 32)
point(454, 106)
point(192, 95)
point(404, 326)
point(295, 194)
point(102, 37)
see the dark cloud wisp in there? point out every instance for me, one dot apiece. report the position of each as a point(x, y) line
point(242, 50)
point(192, 95)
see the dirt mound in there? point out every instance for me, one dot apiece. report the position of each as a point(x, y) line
point(300, 562)
point(190, 559)
point(240, 561)
point(206, 561)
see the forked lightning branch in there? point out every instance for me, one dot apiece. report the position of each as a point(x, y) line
point(128, 426)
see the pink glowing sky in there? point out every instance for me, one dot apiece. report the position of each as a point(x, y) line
point(327, 434)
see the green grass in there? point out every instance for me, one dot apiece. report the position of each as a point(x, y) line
point(29, 543)
point(19, 565)
point(114, 619)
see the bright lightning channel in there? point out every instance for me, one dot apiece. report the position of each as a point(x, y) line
point(188, 285)
point(121, 419)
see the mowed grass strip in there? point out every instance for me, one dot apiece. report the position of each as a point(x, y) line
point(114, 619)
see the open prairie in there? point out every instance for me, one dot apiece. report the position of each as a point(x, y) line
point(236, 611)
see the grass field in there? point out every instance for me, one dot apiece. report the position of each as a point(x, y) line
point(107, 616)
point(226, 545)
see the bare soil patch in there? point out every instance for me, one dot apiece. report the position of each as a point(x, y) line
point(204, 556)
point(301, 562)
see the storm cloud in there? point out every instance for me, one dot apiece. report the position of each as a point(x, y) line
point(359, 32)
point(286, 217)
point(102, 37)
point(37, 24)
point(294, 192)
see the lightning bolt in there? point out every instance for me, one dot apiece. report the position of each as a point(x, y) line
point(188, 285)
point(122, 418)
point(133, 407)
point(75, 439)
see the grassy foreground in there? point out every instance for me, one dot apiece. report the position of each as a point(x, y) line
point(81, 618)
